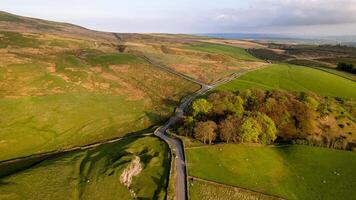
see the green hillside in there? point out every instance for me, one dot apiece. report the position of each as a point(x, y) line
point(294, 78)
point(94, 174)
point(292, 172)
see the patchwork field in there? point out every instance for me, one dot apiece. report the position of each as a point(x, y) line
point(294, 78)
point(292, 172)
point(95, 174)
point(203, 61)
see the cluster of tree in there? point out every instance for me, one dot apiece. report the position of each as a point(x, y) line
point(269, 55)
point(261, 116)
point(347, 67)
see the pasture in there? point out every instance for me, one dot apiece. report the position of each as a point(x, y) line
point(235, 52)
point(291, 171)
point(94, 173)
point(66, 92)
point(205, 62)
point(294, 78)
point(199, 190)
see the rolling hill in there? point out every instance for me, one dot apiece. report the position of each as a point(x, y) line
point(62, 86)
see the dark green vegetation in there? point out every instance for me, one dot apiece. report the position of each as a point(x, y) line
point(347, 67)
point(268, 54)
point(295, 78)
point(203, 190)
point(264, 116)
point(324, 57)
point(292, 172)
point(94, 173)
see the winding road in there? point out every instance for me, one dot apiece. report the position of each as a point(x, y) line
point(181, 192)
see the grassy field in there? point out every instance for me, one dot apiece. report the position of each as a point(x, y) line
point(202, 61)
point(294, 78)
point(57, 92)
point(201, 190)
point(94, 173)
point(338, 72)
point(292, 172)
point(235, 52)
point(61, 121)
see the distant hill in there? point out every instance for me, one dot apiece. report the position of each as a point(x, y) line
point(11, 22)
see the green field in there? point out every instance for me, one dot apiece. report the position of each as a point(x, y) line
point(292, 172)
point(235, 52)
point(40, 124)
point(294, 78)
point(338, 72)
point(94, 173)
point(201, 190)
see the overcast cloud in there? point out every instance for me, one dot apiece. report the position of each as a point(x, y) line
point(325, 17)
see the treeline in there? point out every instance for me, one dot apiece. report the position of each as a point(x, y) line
point(269, 55)
point(267, 116)
point(347, 67)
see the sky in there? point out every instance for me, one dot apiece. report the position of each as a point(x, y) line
point(295, 17)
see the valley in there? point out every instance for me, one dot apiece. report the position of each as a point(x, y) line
point(86, 114)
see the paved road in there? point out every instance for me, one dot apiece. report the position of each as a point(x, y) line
point(180, 167)
point(181, 192)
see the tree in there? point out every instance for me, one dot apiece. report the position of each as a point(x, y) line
point(309, 100)
point(235, 105)
point(347, 67)
point(228, 129)
point(250, 130)
point(201, 106)
point(205, 131)
point(186, 129)
point(268, 129)
point(225, 102)
point(253, 98)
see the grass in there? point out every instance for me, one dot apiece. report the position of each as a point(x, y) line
point(235, 52)
point(340, 60)
point(16, 39)
point(41, 111)
point(324, 67)
point(94, 173)
point(9, 18)
point(57, 100)
point(115, 58)
point(199, 190)
point(207, 63)
point(40, 124)
point(338, 72)
point(292, 172)
point(294, 78)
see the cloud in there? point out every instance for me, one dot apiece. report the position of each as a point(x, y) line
point(260, 13)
